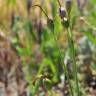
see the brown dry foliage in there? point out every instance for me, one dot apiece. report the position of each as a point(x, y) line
point(12, 82)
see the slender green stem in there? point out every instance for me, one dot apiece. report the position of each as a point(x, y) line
point(72, 51)
point(64, 66)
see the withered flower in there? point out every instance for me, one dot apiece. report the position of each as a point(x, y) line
point(62, 12)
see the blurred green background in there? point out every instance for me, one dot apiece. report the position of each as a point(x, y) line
point(27, 27)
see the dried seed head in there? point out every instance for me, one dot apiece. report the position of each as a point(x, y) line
point(62, 12)
point(68, 5)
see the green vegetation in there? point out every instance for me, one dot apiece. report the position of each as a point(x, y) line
point(55, 41)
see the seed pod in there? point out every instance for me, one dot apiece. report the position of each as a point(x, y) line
point(68, 6)
point(62, 12)
point(65, 22)
point(50, 24)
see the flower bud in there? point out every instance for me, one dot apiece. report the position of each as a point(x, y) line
point(68, 6)
point(62, 12)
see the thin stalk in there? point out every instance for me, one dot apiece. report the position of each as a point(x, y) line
point(64, 66)
point(42, 10)
point(59, 3)
point(72, 50)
